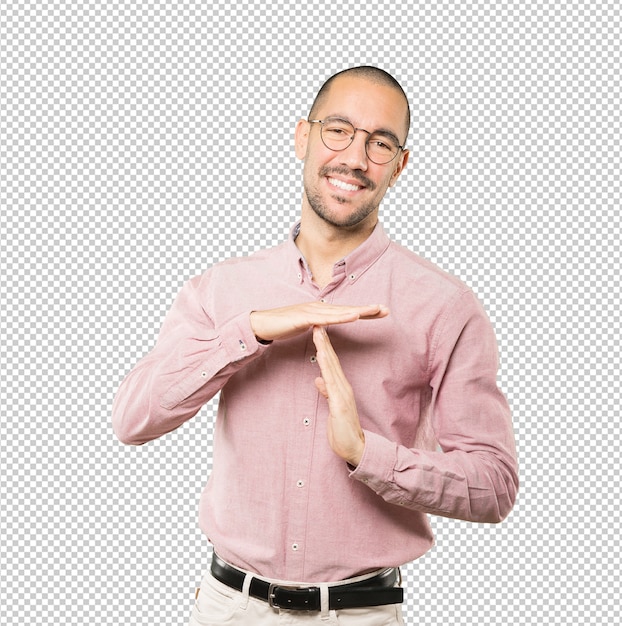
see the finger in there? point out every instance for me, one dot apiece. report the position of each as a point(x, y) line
point(321, 386)
point(327, 359)
point(382, 311)
point(321, 341)
point(322, 345)
point(337, 314)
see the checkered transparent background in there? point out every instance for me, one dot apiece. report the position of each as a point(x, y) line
point(141, 142)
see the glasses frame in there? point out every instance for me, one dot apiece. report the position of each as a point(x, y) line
point(322, 122)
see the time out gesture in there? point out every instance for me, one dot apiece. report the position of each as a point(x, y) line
point(345, 435)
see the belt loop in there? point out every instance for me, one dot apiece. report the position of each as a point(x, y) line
point(246, 586)
point(324, 602)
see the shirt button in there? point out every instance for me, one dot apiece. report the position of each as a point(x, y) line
point(300, 484)
point(352, 276)
point(295, 547)
point(306, 421)
point(203, 374)
point(242, 345)
point(322, 299)
point(313, 359)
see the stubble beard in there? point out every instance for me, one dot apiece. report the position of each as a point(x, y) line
point(319, 207)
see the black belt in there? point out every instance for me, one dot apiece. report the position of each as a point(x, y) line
point(375, 591)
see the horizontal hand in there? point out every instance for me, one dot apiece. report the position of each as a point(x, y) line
point(290, 321)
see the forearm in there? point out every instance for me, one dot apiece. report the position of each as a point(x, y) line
point(477, 486)
point(151, 402)
point(474, 475)
point(192, 360)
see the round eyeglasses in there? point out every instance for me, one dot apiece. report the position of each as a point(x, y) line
point(337, 135)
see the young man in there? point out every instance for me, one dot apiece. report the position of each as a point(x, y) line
point(358, 390)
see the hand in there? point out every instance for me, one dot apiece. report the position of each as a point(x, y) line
point(345, 434)
point(290, 321)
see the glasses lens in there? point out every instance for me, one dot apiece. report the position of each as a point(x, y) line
point(381, 149)
point(337, 134)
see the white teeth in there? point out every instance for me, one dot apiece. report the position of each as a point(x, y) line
point(342, 185)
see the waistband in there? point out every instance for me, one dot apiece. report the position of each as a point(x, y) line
point(373, 589)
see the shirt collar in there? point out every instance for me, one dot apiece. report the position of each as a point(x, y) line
point(354, 264)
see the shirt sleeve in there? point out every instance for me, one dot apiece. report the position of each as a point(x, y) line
point(474, 475)
point(192, 360)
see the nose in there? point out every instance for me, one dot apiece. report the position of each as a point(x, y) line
point(355, 155)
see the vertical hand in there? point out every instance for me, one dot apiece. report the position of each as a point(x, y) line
point(345, 435)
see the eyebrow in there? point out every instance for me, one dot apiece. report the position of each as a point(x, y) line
point(382, 131)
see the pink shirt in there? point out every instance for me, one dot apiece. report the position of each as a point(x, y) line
point(279, 502)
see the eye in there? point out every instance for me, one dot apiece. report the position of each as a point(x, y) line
point(382, 146)
point(337, 131)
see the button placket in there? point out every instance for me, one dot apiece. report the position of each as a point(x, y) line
point(301, 441)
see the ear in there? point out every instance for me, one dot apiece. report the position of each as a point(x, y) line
point(302, 138)
point(399, 167)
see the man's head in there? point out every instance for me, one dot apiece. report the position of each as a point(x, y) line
point(373, 75)
point(345, 183)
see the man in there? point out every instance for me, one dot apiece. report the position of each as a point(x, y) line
point(358, 390)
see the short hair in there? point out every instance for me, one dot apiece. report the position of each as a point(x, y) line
point(369, 72)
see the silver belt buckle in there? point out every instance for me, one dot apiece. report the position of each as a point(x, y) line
point(272, 596)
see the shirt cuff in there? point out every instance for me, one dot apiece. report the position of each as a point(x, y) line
point(238, 338)
point(236, 341)
point(377, 463)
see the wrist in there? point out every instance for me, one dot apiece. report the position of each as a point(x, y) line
point(355, 458)
point(254, 317)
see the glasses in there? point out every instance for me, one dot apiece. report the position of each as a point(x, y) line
point(381, 147)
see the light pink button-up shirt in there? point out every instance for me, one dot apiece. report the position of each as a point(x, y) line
point(279, 502)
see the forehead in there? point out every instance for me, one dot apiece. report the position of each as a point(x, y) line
point(365, 103)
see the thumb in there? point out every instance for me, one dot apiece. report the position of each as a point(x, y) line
point(321, 386)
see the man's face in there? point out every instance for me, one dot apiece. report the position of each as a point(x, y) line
point(345, 188)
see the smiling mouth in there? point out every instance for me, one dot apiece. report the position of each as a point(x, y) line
point(343, 186)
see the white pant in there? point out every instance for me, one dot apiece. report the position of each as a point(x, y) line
point(219, 605)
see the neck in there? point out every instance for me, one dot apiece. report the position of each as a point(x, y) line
point(323, 244)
